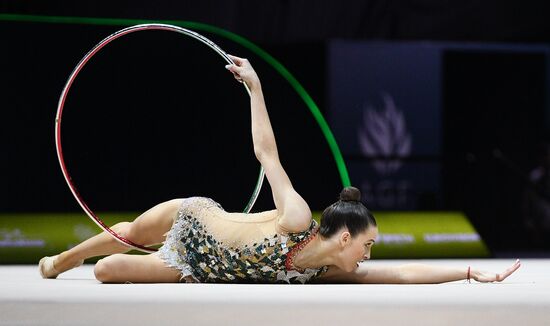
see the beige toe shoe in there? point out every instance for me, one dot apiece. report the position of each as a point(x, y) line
point(46, 268)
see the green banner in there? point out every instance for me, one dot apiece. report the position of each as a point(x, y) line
point(25, 238)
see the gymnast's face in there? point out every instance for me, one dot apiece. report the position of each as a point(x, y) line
point(357, 248)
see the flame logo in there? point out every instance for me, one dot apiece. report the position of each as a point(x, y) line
point(384, 136)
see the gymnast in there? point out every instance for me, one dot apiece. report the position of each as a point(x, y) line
point(201, 242)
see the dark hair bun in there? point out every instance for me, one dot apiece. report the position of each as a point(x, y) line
point(350, 194)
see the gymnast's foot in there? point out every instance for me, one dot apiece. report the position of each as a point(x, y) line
point(47, 268)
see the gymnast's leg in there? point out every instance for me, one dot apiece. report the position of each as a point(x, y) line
point(121, 268)
point(147, 229)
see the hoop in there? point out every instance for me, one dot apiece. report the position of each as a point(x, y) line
point(65, 92)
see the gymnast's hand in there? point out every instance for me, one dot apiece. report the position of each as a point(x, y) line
point(481, 276)
point(243, 72)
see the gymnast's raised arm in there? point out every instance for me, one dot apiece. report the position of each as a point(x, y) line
point(294, 213)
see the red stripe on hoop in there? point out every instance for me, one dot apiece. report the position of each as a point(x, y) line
point(61, 105)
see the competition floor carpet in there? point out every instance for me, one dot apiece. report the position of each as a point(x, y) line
point(76, 298)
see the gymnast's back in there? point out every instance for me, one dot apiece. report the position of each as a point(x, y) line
point(208, 244)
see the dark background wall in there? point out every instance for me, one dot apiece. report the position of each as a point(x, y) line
point(314, 21)
point(155, 117)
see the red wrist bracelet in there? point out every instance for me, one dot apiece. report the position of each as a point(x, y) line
point(469, 275)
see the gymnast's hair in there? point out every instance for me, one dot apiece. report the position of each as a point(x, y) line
point(347, 212)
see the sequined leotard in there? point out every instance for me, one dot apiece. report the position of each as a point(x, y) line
point(203, 245)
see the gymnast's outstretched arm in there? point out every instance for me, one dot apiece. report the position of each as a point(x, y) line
point(294, 213)
point(414, 274)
